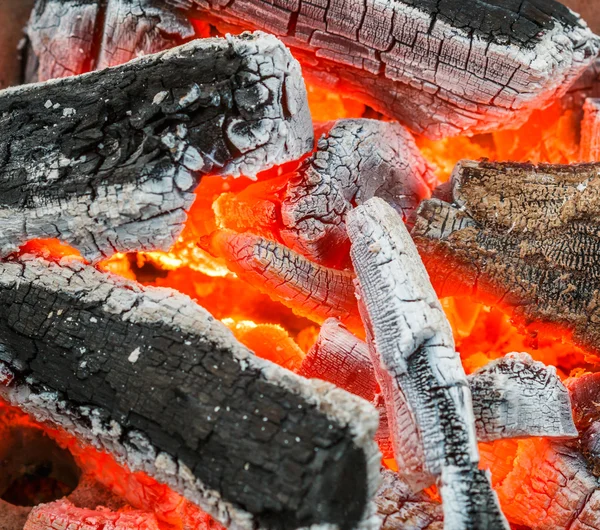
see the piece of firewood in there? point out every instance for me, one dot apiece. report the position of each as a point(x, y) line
point(108, 161)
point(586, 86)
point(152, 378)
point(309, 289)
point(523, 238)
point(427, 395)
point(13, 14)
point(515, 397)
point(357, 159)
point(590, 131)
point(400, 508)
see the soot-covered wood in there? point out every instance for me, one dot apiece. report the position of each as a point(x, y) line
point(522, 237)
point(357, 159)
point(109, 161)
point(442, 67)
point(427, 395)
point(154, 379)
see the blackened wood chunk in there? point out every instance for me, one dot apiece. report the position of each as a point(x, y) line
point(517, 397)
point(410, 341)
point(521, 237)
point(154, 379)
point(109, 161)
point(356, 160)
point(442, 67)
point(400, 508)
point(13, 16)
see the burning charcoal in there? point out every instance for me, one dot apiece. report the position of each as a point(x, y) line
point(357, 159)
point(111, 160)
point(516, 396)
point(443, 68)
point(401, 508)
point(522, 237)
point(586, 86)
point(590, 131)
point(427, 395)
point(62, 514)
point(150, 377)
point(585, 399)
point(311, 290)
point(13, 14)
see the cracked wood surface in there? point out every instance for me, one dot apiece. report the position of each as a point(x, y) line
point(155, 380)
point(13, 15)
point(523, 238)
point(357, 159)
point(309, 289)
point(590, 131)
point(421, 376)
point(442, 67)
point(108, 162)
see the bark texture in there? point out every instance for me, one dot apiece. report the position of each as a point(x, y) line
point(311, 290)
point(590, 131)
point(421, 376)
point(152, 378)
point(108, 161)
point(13, 14)
point(356, 160)
point(517, 397)
point(522, 237)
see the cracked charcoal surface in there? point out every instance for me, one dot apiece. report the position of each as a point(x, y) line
point(522, 237)
point(400, 508)
point(443, 67)
point(13, 14)
point(108, 161)
point(421, 376)
point(590, 131)
point(309, 289)
point(356, 160)
point(516, 397)
point(151, 377)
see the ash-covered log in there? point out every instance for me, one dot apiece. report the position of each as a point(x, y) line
point(108, 161)
point(150, 377)
point(309, 289)
point(590, 131)
point(13, 14)
point(442, 68)
point(357, 159)
point(522, 237)
point(427, 395)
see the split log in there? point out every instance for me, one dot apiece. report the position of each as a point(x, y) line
point(108, 161)
point(309, 289)
point(400, 508)
point(13, 14)
point(153, 379)
point(356, 160)
point(517, 397)
point(523, 238)
point(427, 395)
point(590, 131)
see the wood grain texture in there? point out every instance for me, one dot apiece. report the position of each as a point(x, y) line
point(357, 159)
point(152, 378)
point(410, 341)
point(521, 237)
point(108, 161)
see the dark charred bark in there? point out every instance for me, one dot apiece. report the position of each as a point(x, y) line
point(108, 161)
point(521, 237)
point(356, 160)
point(13, 16)
point(152, 378)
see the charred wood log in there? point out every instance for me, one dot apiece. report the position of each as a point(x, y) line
point(13, 14)
point(108, 161)
point(399, 507)
point(150, 377)
point(428, 399)
point(356, 160)
point(586, 86)
point(590, 131)
point(311, 290)
point(521, 237)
